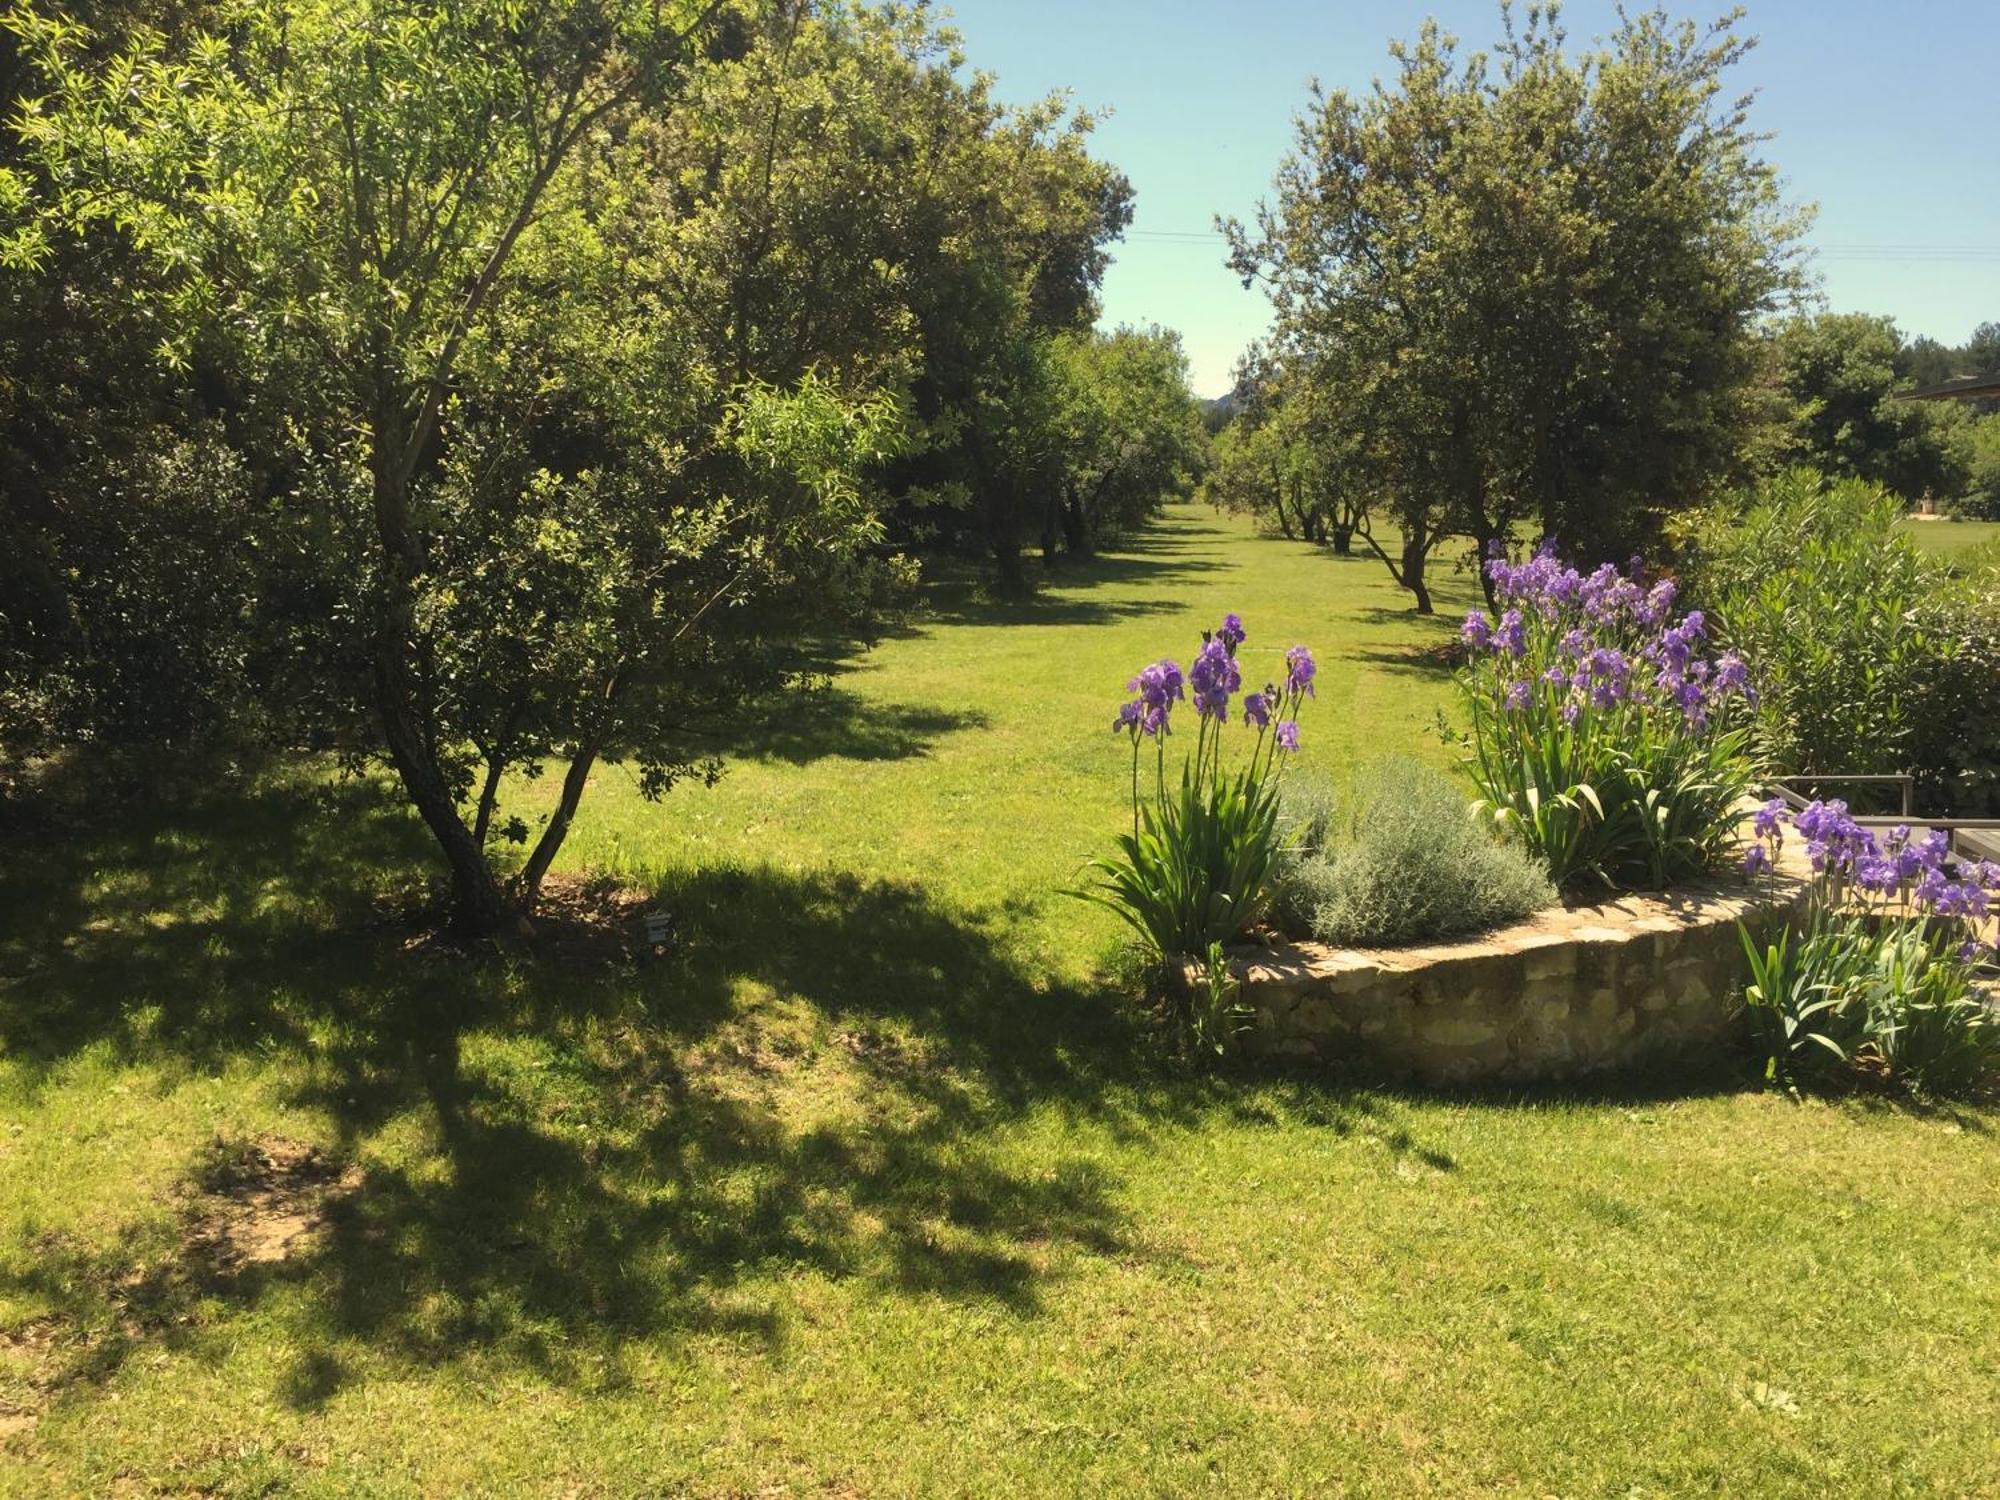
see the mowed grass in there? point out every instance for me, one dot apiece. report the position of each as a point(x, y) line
point(870, 1187)
point(972, 753)
point(1958, 540)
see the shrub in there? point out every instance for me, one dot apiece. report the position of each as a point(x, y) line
point(1981, 501)
point(1407, 866)
point(1881, 977)
point(1871, 655)
point(1195, 870)
point(1604, 738)
point(1308, 810)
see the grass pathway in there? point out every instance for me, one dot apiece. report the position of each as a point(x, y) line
point(970, 753)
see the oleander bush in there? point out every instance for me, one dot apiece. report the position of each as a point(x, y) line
point(1605, 736)
point(1871, 655)
point(1405, 864)
point(1882, 977)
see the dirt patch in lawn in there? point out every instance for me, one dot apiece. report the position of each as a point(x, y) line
point(24, 1361)
point(259, 1201)
point(248, 1205)
point(587, 922)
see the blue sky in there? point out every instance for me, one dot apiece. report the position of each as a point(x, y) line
point(1883, 114)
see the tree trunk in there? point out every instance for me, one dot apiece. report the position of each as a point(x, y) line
point(478, 906)
point(1343, 541)
point(575, 779)
point(1076, 531)
point(489, 796)
point(1414, 552)
point(1278, 501)
point(1012, 579)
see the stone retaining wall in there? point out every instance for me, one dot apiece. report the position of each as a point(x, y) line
point(1573, 990)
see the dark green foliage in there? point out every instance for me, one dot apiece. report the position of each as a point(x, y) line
point(1981, 500)
point(1840, 374)
point(1408, 864)
point(1925, 361)
point(545, 408)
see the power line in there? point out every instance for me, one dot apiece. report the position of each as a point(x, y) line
point(1935, 254)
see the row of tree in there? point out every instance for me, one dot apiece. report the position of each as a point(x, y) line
point(483, 386)
point(1548, 287)
point(1832, 395)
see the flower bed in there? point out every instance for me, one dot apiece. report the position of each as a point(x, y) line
point(1573, 990)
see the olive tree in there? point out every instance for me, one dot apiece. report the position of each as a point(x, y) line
point(1128, 434)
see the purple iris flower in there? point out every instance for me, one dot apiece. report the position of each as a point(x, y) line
point(1659, 603)
point(1288, 734)
point(1732, 673)
point(1610, 677)
point(1517, 696)
point(1213, 677)
point(1300, 669)
point(1934, 849)
point(1766, 821)
point(1512, 634)
point(1934, 890)
point(1756, 860)
point(1231, 634)
point(1159, 687)
point(1873, 873)
point(1477, 630)
point(1257, 710)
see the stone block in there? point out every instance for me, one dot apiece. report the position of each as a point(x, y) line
point(1557, 961)
point(1458, 1031)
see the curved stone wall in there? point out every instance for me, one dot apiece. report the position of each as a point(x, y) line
point(1575, 989)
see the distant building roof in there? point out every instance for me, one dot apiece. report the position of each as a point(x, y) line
point(1966, 388)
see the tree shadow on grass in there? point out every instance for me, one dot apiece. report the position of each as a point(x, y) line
point(1432, 663)
point(173, 930)
point(557, 1163)
point(822, 720)
point(1165, 555)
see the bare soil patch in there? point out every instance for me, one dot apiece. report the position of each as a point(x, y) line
point(259, 1201)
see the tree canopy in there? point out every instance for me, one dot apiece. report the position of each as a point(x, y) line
point(1841, 374)
point(518, 386)
point(1526, 283)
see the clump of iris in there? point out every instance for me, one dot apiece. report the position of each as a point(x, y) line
point(1573, 644)
point(1212, 684)
point(1898, 876)
point(1607, 734)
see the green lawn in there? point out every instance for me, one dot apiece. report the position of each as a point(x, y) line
point(1955, 539)
point(870, 1189)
